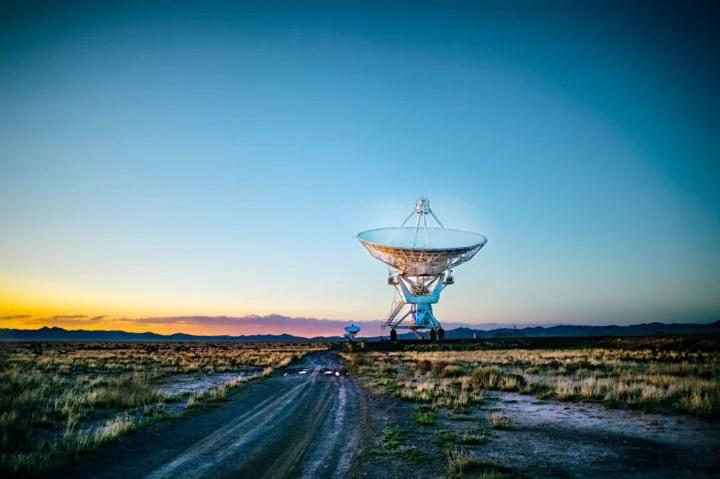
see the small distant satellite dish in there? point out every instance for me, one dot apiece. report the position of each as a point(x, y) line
point(351, 331)
point(420, 261)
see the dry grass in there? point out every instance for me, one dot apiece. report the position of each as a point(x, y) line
point(62, 398)
point(461, 463)
point(421, 381)
point(661, 375)
point(473, 436)
point(499, 420)
point(425, 417)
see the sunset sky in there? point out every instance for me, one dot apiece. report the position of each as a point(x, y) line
point(215, 160)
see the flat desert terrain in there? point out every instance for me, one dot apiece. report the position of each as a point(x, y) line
point(636, 407)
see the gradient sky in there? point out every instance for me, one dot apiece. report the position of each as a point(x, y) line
point(215, 159)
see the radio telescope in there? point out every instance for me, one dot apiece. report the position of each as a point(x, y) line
point(420, 261)
point(351, 331)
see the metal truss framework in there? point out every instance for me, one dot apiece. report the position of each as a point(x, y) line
point(420, 262)
point(418, 273)
point(414, 300)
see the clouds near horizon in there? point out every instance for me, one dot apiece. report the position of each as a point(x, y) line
point(212, 325)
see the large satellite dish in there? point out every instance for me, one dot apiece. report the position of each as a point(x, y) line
point(415, 251)
point(419, 258)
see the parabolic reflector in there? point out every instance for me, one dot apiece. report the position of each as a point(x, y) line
point(352, 329)
point(421, 251)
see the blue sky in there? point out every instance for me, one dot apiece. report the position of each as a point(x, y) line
point(211, 159)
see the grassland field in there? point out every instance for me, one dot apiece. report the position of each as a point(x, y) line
point(667, 375)
point(61, 399)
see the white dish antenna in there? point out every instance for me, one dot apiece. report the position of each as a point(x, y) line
point(423, 251)
point(420, 257)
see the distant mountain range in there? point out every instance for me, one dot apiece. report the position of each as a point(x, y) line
point(60, 334)
point(645, 329)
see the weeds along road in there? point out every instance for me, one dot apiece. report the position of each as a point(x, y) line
point(293, 425)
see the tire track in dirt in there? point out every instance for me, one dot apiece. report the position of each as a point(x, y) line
point(336, 437)
point(227, 440)
point(289, 425)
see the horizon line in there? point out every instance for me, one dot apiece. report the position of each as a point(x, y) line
point(45, 327)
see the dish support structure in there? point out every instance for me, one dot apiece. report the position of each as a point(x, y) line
point(416, 293)
point(412, 308)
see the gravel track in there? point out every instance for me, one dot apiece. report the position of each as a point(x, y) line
point(289, 425)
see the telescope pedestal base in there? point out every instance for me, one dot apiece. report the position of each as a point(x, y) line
point(436, 335)
point(418, 317)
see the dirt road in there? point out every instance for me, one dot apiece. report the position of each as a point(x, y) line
point(293, 424)
point(302, 422)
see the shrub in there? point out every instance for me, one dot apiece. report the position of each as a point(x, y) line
point(499, 420)
point(513, 382)
point(438, 366)
point(472, 436)
point(486, 378)
point(425, 417)
point(460, 463)
point(452, 371)
point(423, 366)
